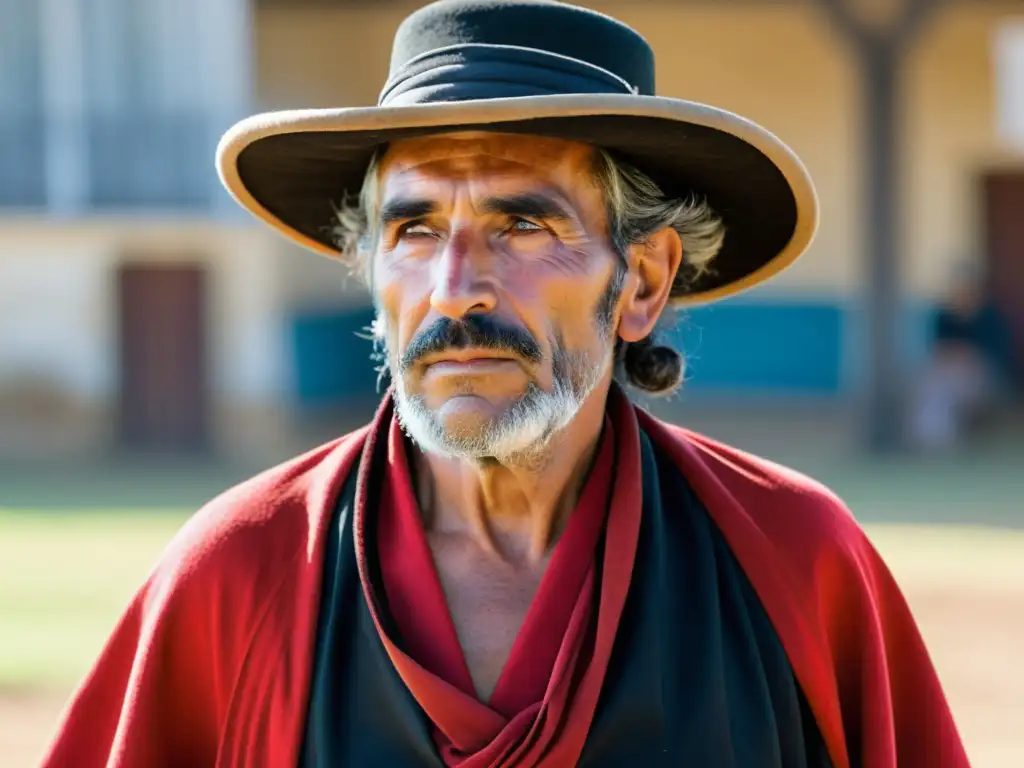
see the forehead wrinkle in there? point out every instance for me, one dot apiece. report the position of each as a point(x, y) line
point(466, 167)
point(463, 156)
point(481, 194)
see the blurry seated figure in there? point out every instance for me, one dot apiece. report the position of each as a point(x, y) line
point(965, 371)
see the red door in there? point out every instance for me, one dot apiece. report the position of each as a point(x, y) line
point(163, 398)
point(1004, 231)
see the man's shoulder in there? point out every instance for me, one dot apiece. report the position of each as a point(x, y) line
point(796, 512)
point(253, 533)
point(834, 605)
point(791, 534)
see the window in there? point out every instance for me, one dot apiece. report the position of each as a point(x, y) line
point(149, 135)
point(22, 140)
point(118, 104)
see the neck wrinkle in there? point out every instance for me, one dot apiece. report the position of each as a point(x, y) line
point(515, 513)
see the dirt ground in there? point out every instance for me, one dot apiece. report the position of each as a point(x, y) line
point(975, 639)
point(26, 721)
point(974, 635)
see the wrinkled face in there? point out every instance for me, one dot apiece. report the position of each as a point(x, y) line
point(496, 285)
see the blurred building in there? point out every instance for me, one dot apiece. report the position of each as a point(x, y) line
point(141, 309)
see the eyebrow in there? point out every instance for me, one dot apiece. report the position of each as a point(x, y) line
point(405, 208)
point(533, 205)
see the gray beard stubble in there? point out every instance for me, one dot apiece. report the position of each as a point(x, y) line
point(522, 434)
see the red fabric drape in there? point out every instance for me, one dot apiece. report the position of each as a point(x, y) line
point(416, 603)
point(518, 726)
point(210, 664)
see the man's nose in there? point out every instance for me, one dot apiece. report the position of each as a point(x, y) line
point(462, 284)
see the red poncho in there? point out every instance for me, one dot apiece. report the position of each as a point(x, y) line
point(211, 663)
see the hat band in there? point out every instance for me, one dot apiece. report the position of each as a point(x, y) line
point(479, 71)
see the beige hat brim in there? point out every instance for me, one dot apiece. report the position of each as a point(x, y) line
point(290, 168)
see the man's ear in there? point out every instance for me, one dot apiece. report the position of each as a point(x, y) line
point(653, 266)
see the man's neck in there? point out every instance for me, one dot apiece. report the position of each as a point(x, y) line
point(515, 512)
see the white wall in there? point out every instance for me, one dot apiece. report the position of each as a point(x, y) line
point(58, 313)
point(54, 318)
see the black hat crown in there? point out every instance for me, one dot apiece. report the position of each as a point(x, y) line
point(460, 50)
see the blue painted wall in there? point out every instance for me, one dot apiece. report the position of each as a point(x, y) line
point(330, 362)
point(794, 347)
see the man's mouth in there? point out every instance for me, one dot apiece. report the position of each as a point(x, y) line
point(467, 360)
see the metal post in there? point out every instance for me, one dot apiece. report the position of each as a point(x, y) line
point(883, 302)
point(880, 54)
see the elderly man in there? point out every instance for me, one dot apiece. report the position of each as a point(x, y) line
point(513, 565)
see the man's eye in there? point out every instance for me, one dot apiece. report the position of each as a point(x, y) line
point(416, 229)
point(522, 226)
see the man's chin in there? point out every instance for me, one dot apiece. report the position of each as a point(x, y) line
point(468, 417)
point(464, 425)
point(472, 400)
point(468, 402)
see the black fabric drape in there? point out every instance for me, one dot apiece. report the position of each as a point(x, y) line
point(698, 676)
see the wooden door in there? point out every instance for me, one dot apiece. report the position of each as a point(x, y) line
point(163, 402)
point(1004, 234)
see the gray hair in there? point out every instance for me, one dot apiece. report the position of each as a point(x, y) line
point(636, 209)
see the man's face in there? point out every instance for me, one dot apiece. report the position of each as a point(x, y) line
point(495, 285)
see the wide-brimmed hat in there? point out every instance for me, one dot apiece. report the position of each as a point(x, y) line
point(542, 68)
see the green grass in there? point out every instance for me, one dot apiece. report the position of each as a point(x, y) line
point(64, 580)
point(65, 577)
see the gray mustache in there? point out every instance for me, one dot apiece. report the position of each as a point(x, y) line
point(477, 331)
